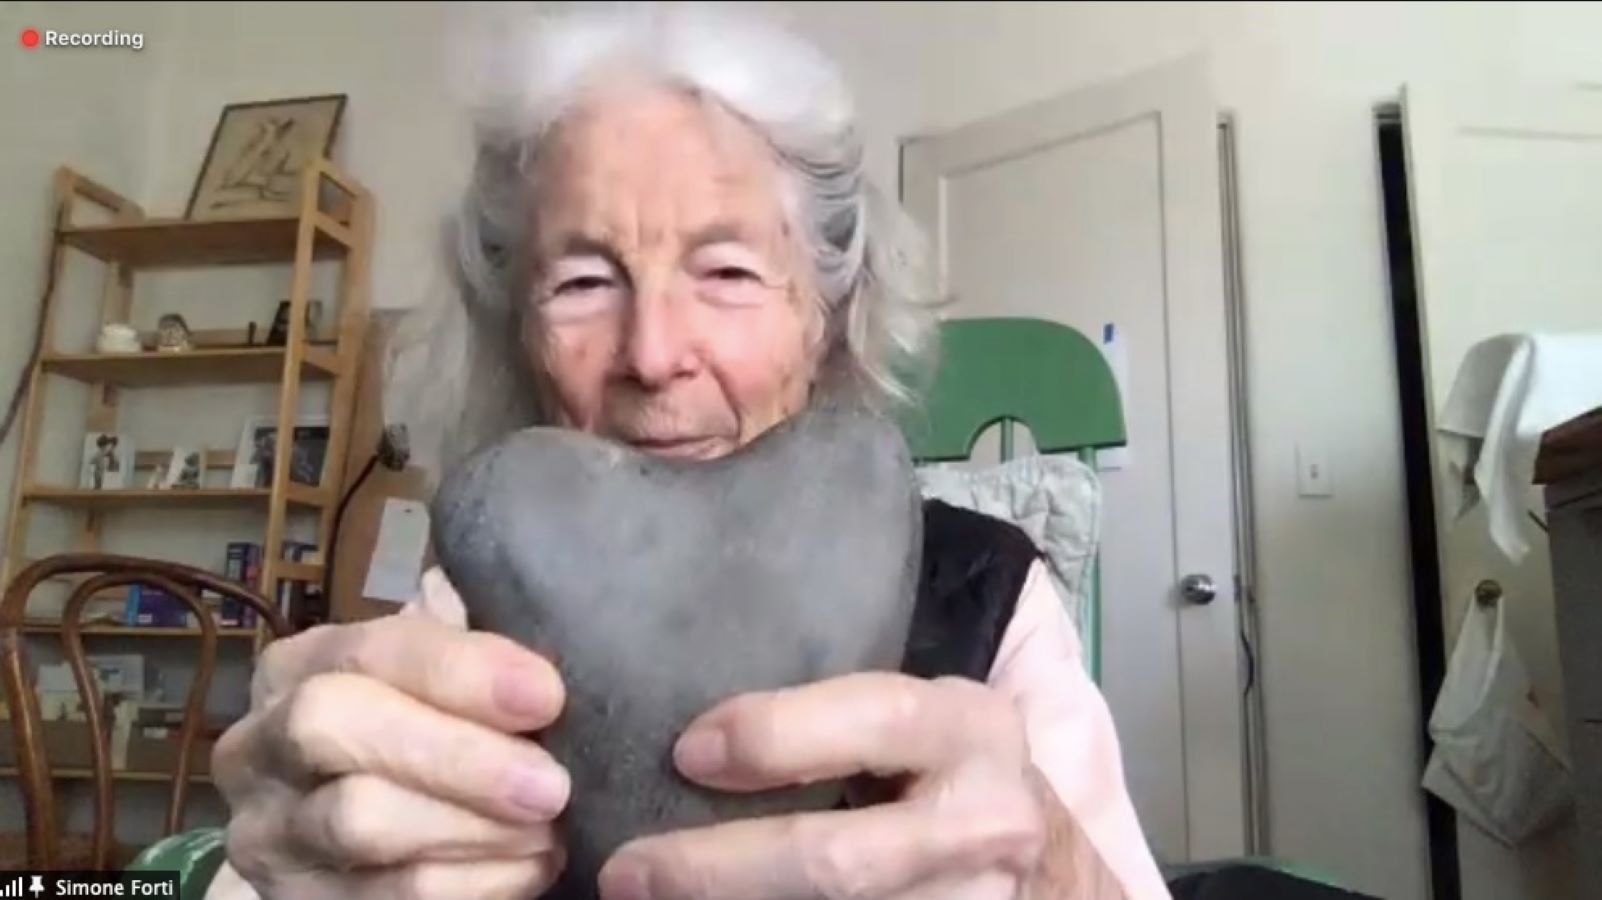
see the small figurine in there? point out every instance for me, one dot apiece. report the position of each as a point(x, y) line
point(172, 334)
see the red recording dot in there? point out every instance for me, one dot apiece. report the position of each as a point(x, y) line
point(30, 37)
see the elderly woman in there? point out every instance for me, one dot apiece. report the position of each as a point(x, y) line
point(669, 241)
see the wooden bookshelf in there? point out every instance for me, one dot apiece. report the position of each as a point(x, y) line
point(72, 774)
point(330, 219)
point(242, 365)
point(180, 243)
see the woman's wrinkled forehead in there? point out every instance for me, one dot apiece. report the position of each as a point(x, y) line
point(643, 165)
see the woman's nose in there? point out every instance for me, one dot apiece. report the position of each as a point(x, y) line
point(658, 345)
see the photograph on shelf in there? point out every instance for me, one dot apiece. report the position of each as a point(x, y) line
point(258, 442)
point(108, 461)
point(184, 469)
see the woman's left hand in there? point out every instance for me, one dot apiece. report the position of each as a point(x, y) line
point(969, 819)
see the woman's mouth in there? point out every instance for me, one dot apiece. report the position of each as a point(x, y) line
point(681, 447)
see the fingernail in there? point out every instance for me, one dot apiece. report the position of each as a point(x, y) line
point(541, 790)
point(625, 879)
point(703, 751)
point(518, 691)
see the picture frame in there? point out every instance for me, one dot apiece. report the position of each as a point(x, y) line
point(108, 461)
point(185, 470)
point(253, 458)
point(257, 153)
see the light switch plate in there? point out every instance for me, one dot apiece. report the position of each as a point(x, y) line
point(1313, 477)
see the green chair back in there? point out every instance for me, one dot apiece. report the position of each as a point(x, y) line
point(1043, 374)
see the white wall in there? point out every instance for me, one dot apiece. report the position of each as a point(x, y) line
point(1342, 708)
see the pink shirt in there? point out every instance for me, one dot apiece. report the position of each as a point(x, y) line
point(1041, 667)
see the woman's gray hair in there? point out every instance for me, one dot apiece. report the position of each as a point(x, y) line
point(459, 372)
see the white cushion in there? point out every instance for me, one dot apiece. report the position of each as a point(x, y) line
point(1056, 500)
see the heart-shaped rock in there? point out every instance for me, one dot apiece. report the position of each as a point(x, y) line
point(661, 587)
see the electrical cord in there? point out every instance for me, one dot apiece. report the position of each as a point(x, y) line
point(1245, 638)
point(25, 374)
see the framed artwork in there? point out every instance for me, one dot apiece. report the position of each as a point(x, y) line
point(257, 153)
point(258, 441)
point(108, 461)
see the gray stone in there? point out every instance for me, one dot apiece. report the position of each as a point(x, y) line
point(660, 587)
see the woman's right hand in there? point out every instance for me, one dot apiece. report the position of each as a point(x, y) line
point(381, 760)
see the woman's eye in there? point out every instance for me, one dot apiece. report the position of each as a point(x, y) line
point(583, 284)
point(732, 273)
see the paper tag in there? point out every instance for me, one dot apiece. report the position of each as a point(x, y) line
point(1115, 349)
point(397, 565)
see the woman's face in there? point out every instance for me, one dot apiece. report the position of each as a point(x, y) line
point(671, 305)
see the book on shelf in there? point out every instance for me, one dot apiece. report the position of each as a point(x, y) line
point(242, 565)
point(149, 607)
point(144, 606)
point(292, 595)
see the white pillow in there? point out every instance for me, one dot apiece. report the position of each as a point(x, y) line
point(1056, 500)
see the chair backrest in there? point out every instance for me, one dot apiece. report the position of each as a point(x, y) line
point(1043, 374)
point(103, 571)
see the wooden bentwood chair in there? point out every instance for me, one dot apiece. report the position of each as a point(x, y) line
point(47, 848)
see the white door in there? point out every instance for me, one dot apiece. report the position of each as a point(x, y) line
point(1102, 207)
point(1506, 186)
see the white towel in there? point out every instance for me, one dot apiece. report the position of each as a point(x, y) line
point(1509, 391)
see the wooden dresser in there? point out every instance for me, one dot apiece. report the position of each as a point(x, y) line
point(1570, 469)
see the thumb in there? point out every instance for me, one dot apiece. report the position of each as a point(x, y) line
point(438, 601)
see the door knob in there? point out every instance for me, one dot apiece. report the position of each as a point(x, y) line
point(1198, 589)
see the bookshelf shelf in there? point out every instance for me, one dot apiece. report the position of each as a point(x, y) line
point(179, 243)
point(73, 774)
point(204, 498)
point(136, 631)
point(241, 365)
